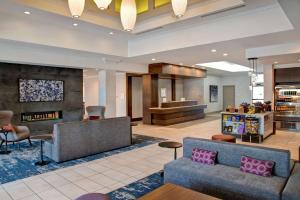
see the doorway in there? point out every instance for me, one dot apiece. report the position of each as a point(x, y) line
point(228, 96)
point(134, 97)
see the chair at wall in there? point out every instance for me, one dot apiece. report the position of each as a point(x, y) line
point(15, 133)
point(96, 112)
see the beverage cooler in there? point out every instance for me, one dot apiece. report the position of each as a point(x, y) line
point(287, 107)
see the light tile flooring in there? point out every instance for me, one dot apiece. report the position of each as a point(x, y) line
point(107, 174)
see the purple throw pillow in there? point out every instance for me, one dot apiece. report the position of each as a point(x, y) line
point(204, 156)
point(255, 166)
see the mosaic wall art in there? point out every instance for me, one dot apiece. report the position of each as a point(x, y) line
point(41, 90)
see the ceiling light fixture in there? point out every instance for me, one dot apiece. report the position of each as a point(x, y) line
point(179, 7)
point(102, 4)
point(75, 24)
point(213, 50)
point(76, 7)
point(225, 66)
point(225, 54)
point(276, 62)
point(153, 59)
point(27, 12)
point(128, 14)
point(180, 63)
point(111, 33)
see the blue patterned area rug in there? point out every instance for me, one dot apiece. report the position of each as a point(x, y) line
point(137, 189)
point(19, 163)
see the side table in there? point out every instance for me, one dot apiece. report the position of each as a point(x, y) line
point(170, 145)
point(42, 138)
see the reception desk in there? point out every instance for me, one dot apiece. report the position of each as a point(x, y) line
point(177, 112)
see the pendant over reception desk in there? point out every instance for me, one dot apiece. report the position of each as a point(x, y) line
point(167, 110)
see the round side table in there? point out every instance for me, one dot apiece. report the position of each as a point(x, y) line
point(42, 138)
point(224, 138)
point(171, 145)
point(93, 196)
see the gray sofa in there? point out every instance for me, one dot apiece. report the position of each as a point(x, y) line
point(73, 140)
point(225, 180)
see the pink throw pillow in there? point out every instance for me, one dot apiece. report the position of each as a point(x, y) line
point(204, 156)
point(257, 167)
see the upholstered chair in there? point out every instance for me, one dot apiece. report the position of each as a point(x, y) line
point(96, 111)
point(16, 133)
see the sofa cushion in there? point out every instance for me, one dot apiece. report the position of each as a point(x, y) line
point(291, 190)
point(204, 156)
point(230, 154)
point(222, 181)
point(257, 167)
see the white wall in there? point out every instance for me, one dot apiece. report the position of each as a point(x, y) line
point(193, 89)
point(164, 83)
point(137, 97)
point(121, 94)
point(268, 83)
point(179, 89)
point(242, 91)
point(91, 91)
point(213, 106)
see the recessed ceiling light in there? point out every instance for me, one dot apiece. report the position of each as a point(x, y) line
point(213, 50)
point(275, 62)
point(111, 33)
point(27, 12)
point(75, 24)
point(153, 59)
point(180, 63)
point(225, 54)
point(225, 66)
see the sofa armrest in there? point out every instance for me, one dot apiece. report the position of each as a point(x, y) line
point(291, 190)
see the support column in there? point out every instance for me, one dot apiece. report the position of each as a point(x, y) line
point(107, 92)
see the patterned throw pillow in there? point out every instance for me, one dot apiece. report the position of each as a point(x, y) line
point(204, 156)
point(255, 166)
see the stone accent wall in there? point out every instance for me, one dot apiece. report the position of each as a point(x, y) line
point(72, 106)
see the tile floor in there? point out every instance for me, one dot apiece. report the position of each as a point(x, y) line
point(110, 173)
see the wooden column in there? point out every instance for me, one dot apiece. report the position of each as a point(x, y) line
point(129, 95)
point(173, 89)
point(150, 95)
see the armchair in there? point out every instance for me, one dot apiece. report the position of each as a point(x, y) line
point(96, 112)
point(14, 133)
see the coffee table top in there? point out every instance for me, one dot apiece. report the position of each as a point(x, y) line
point(170, 192)
point(170, 144)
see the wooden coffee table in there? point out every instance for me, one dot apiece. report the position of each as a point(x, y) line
point(171, 192)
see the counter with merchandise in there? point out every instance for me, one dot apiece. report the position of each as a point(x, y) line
point(249, 127)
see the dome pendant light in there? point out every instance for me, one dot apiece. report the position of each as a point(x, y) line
point(179, 7)
point(128, 14)
point(76, 7)
point(102, 4)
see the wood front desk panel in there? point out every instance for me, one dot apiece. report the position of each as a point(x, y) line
point(174, 115)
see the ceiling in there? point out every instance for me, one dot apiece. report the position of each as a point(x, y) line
point(158, 33)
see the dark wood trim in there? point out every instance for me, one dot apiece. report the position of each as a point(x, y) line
point(129, 95)
point(136, 119)
point(150, 95)
point(173, 89)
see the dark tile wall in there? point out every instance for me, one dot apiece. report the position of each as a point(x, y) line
point(72, 106)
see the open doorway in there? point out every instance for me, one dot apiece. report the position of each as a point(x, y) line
point(228, 96)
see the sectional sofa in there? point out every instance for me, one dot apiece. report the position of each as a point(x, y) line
point(225, 180)
point(73, 140)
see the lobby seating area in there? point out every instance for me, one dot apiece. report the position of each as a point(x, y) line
point(150, 100)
